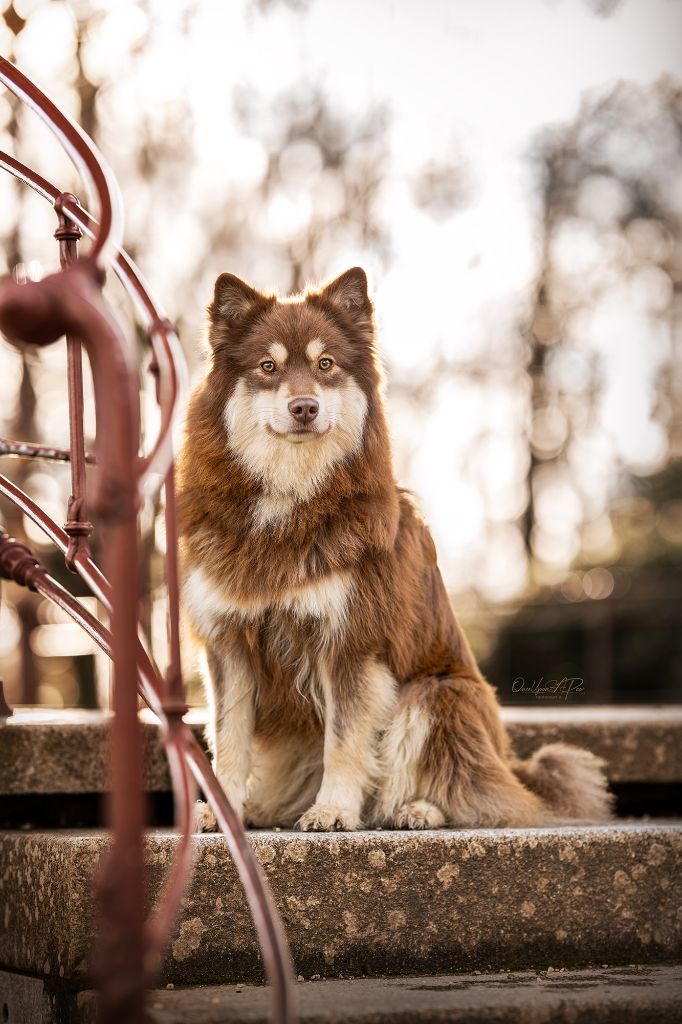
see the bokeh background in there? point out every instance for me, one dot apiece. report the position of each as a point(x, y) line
point(510, 176)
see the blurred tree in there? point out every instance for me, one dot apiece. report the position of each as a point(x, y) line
point(607, 304)
point(328, 169)
point(295, 186)
point(323, 178)
point(610, 262)
point(441, 187)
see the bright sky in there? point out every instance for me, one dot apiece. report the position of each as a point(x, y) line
point(480, 76)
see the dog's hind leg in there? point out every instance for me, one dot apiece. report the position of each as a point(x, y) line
point(402, 799)
point(445, 761)
point(468, 763)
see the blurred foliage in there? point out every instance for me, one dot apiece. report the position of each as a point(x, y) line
point(610, 237)
point(610, 233)
point(332, 164)
point(321, 180)
point(443, 186)
point(558, 431)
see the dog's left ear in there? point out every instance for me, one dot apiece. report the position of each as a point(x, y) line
point(232, 299)
point(349, 293)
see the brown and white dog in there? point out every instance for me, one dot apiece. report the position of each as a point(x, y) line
point(341, 688)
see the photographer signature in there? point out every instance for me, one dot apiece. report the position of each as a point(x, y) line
point(550, 689)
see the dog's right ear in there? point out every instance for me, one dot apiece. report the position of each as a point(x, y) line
point(232, 300)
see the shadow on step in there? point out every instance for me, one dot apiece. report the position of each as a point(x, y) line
point(86, 810)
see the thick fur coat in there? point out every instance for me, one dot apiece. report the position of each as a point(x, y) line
point(341, 688)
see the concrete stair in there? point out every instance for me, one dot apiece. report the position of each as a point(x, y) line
point(65, 751)
point(614, 996)
point(370, 902)
point(624, 995)
point(381, 903)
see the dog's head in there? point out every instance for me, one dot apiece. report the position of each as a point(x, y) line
point(298, 377)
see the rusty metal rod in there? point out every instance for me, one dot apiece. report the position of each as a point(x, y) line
point(84, 155)
point(26, 450)
point(78, 526)
point(119, 486)
point(163, 338)
point(37, 313)
point(273, 944)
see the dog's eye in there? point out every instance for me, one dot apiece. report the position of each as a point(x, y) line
point(325, 363)
point(268, 366)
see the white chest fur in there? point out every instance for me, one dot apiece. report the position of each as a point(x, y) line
point(209, 605)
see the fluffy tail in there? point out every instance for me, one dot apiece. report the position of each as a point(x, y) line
point(570, 782)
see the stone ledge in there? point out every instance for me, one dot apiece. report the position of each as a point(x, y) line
point(370, 902)
point(638, 744)
point(65, 751)
point(638, 995)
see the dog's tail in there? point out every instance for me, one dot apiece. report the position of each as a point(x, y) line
point(570, 782)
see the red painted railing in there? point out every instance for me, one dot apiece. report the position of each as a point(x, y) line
point(69, 303)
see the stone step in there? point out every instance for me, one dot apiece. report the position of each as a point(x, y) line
point(369, 903)
point(631, 994)
point(51, 752)
point(624, 995)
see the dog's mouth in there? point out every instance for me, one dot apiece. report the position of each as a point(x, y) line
point(298, 435)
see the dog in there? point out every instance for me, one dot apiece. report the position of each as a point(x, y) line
point(342, 692)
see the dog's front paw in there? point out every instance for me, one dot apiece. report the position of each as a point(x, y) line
point(329, 818)
point(419, 814)
point(204, 818)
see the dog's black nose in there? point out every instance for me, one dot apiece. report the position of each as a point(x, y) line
point(304, 409)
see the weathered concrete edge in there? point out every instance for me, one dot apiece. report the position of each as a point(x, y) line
point(386, 902)
point(67, 752)
point(635, 993)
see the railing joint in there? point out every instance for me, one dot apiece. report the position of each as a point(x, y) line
point(18, 563)
point(173, 702)
point(159, 325)
point(174, 706)
point(68, 230)
point(78, 528)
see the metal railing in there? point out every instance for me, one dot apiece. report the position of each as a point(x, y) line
point(69, 303)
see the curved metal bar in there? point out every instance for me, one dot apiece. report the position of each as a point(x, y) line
point(28, 176)
point(184, 800)
point(184, 749)
point(173, 385)
point(85, 156)
point(26, 450)
point(29, 507)
point(278, 965)
point(130, 274)
point(38, 313)
point(93, 578)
